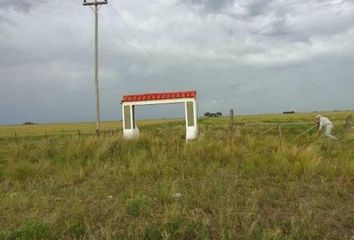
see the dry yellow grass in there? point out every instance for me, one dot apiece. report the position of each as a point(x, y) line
point(160, 187)
point(68, 128)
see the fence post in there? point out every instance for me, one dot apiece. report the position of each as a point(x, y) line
point(16, 139)
point(46, 136)
point(231, 130)
point(348, 123)
point(79, 133)
point(18, 146)
point(280, 134)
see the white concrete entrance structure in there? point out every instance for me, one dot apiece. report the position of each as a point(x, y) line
point(188, 98)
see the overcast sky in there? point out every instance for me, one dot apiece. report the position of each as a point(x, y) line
point(254, 56)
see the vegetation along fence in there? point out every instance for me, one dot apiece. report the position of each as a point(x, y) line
point(208, 128)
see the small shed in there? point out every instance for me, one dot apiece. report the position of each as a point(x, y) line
point(188, 98)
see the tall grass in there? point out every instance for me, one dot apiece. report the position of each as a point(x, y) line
point(160, 187)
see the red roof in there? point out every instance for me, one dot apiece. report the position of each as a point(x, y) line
point(159, 96)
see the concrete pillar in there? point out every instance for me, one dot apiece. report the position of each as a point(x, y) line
point(130, 130)
point(191, 120)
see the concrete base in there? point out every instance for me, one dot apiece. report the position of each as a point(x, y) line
point(191, 133)
point(131, 133)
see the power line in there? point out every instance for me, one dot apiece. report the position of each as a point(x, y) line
point(134, 35)
point(139, 41)
point(136, 51)
point(137, 54)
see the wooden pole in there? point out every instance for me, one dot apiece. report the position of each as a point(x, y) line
point(96, 4)
point(16, 139)
point(231, 123)
point(18, 146)
point(280, 134)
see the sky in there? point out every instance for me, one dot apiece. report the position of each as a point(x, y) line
point(253, 56)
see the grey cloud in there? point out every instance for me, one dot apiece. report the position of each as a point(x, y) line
point(299, 21)
point(4, 19)
point(258, 7)
point(250, 55)
point(24, 6)
point(251, 7)
point(210, 6)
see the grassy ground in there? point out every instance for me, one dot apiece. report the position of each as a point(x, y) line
point(249, 186)
point(65, 129)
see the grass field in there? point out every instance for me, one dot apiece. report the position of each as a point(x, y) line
point(222, 186)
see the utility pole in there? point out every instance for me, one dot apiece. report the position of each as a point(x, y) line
point(95, 7)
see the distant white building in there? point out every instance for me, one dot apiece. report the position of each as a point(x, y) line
point(188, 98)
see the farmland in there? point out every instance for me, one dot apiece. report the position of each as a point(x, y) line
point(57, 184)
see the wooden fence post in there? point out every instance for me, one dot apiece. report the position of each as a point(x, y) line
point(231, 129)
point(18, 146)
point(46, 136)
point(348, 123)
point(280, 134)
point(16, 139)
point(79, 133)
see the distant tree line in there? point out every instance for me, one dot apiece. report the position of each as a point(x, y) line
point(30, 123)
point(289, 112)
point(217, 114)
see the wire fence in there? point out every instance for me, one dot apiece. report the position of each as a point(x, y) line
point(232, 130)
point(48, 137)
point(282, 131)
